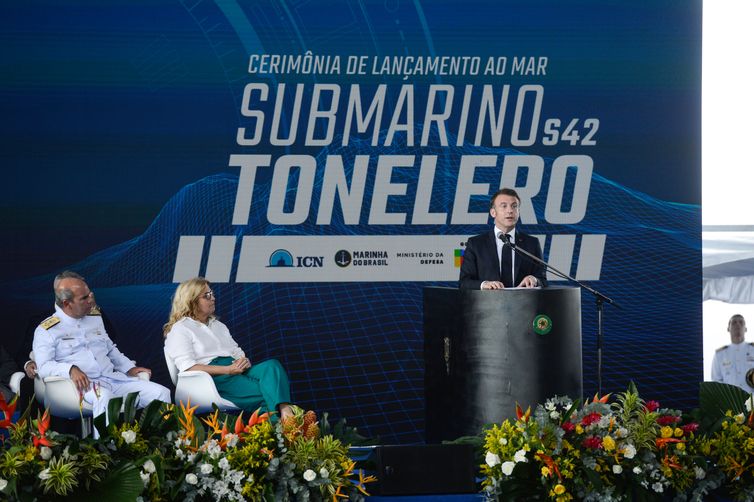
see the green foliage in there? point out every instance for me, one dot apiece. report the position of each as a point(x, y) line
point(715, 399)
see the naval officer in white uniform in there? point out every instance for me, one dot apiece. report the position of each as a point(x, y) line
point(732, 362)
point(73, 343)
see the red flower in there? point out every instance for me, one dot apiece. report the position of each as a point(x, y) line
point(593, 442)
point(689, 428)
point(568, 426)
point(668, 420)
point(8, 409)
point(43, 424)
point(590, 419)
point(652, 406)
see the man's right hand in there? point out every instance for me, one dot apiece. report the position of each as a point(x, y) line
point(492, 285)
point(30, 369)
point(80, 380)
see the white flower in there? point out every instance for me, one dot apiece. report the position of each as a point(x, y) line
point(179, 454)
point(324, 473)
point(44, 474)
point(605, 421)
point(507, 467)
point(503, 441)
point(554, 415)
point(637, 470)
point(549, 405)
point(3, 484)
point(190, 458)
point(223, 464)
point(128, 436)
point(191, 478)
point(309, 475)
point(657, 487)
point(206, 468)
point(144, 478)
point(739, 418)
point(149, 466)
point(520, 456)
point(617, 469)
point(749, 403)
point(232, 440)
point(629, 451)
point(214, 449)
point(492, 459)
point(621, 432)
point(45, 453)
point(699, 472)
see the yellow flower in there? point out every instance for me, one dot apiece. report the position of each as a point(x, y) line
point(559, 489)
point(579, 429)
point(666, 432)
point(678, 432)
point(680, 446)
point(608, 443)
point(545, 471)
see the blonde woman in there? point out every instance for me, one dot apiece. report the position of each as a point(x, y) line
point(197, 341)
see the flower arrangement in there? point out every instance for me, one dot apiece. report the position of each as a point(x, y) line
point(167, 453)
point(625, 450)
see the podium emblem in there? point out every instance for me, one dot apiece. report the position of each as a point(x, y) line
point(542, 324)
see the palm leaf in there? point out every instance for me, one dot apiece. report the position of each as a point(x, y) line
point(129, 407)
point(122, 484)
point(151, 418)
point(113, 411)
point(716, 398)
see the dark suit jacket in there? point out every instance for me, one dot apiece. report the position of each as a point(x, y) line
point(480, 261)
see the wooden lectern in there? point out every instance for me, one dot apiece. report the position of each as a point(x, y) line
point(485, 351)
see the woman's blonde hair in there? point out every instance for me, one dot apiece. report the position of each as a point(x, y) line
point(185, 301)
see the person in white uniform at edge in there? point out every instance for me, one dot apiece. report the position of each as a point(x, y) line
point(74, 343)
point(732, 362)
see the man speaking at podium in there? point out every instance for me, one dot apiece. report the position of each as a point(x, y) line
point(488, 263)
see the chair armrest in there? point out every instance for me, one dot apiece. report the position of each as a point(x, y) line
point(15, 381)
point(200, 388)
point(63, 399)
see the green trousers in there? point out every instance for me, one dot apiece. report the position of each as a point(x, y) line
point(264, 385)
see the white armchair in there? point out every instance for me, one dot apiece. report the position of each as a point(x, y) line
point(60, 396)
point(15, 381)
point(197, 386)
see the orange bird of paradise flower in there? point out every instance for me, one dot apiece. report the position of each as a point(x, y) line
point(43, 424)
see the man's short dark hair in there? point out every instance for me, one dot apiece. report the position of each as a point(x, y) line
point(504, 191)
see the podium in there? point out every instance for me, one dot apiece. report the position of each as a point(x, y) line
point(485, 351)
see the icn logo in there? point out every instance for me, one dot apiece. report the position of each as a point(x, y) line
point(281, 258)
point(343, 258)
point(458, 258)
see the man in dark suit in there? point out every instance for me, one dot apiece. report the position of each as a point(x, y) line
point(488, 264)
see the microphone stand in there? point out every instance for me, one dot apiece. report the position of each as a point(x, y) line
point(599, 298)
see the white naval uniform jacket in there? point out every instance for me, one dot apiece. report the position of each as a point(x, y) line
point(80, 342)
point(731, 363)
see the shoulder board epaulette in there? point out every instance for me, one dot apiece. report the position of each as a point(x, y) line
point(49, 322)
point(721, 348)
point(95, 311)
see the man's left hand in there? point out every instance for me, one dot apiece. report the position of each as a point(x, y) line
point(529, 282)
point(138, 369)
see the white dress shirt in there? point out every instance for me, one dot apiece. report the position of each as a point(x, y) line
point(191, 342)
point(78, 342)
point(731, 363)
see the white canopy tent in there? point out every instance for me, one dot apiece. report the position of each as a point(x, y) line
point(728, 265)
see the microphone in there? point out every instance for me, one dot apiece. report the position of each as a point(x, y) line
point(506, 238)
